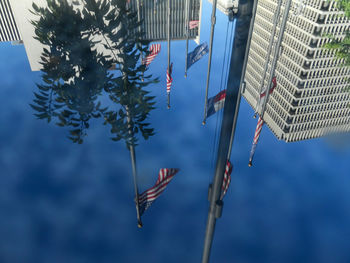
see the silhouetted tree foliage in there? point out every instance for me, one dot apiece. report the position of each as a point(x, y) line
point(75, 73)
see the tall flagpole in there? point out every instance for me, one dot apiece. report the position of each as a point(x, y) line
point(269, 49)
point(187, 32)
point(276, 54)
point(133, 160)
point(168, 48)
point(237, 62)
point(213, 21)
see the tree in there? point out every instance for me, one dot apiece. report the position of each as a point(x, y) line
point(342, 46)
point(75, 74)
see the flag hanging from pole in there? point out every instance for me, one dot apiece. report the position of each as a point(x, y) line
point(255, 140)
point(154, 50)
point(169, 79)
point(193, 24)
point(227, 179)
point(199, 52)
point(164, 177)
point(262, 98)
point(216, 103)
point(260, 120)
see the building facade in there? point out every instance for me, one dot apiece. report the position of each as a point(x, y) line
point(8, 27)
point(16, 26)
point(310, 99)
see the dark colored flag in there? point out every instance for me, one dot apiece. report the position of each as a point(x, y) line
point(197, 54)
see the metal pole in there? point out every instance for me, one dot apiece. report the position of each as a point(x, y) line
point(244, 16)
point(213, 21)
point(276, 54)
point(139, 44)
point(169, 47)
point(234, 124)
point(269, 49)
point(134, 171)
point(187, 32)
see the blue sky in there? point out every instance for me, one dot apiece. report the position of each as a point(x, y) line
point(62, 202)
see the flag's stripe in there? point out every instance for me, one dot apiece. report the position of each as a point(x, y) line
point(193, 24)
point(152, 195)
point(154, 51)
point(274, 84)
point(169, 81)
point(158, 188)
point(258, 130)
point(227, 179)
point(155, 189)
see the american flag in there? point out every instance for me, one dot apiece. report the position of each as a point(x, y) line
point(169, 79)
point(148, 196)
point(256, 139)
point(227, 179)
point(154, 50)
point(263, 95)
point(193, 24)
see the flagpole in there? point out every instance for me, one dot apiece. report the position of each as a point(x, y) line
point(269, 49)
point(187, 32)
point(232, 94)
point(168, 48)
point(133, 163)
point(276, 54)
point(242, 83)
point(213, 21)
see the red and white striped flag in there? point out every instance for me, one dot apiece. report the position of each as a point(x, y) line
point(147, 197)
point(154, 50)
point(227, 179)
point(255, 141)
point(169, 79)
point(193, 24)
point(262, 98)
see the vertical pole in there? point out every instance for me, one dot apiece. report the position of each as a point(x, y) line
point(187, 32)
point(138, 20)
point(232, 97)
point(134, 171)
point(269, 49)
point(213, 21)
point(169, 47)
point(276, 53)
point(234, 124)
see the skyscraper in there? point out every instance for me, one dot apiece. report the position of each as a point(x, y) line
point(310, 99)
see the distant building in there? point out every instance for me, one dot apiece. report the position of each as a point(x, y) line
point(15, 25)
point(311, 98)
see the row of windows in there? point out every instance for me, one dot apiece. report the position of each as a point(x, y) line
point(336, 111)
point(323, 103)
point(326, 63)
point(322, 124)
point(321, 73)
point(332, 84)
